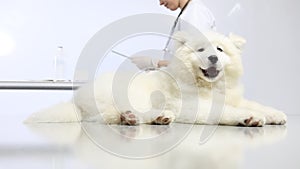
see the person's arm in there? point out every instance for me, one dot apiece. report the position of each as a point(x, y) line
point(144, 62)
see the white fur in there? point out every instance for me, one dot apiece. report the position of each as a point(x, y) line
point(180, 92)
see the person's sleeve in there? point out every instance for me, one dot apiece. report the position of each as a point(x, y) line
point(200, 17)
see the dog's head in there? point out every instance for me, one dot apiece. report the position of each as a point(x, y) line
point(211, 56)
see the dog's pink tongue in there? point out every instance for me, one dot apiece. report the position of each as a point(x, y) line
point(212, 71)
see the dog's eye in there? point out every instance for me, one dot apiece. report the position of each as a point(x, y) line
point(201, 50)
point(219, 49)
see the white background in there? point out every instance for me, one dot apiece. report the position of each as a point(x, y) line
point(34, 28)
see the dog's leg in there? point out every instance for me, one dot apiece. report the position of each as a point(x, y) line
point(273, 116)
point(231, 116)
point(241, 117)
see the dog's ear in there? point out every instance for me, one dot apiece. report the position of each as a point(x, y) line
point(180, 38)
point(237, 40)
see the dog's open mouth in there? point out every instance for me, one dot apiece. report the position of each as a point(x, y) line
point(210, 72)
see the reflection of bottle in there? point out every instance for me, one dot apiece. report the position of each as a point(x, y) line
point(59, 65)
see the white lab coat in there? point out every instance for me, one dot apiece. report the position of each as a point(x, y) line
point(198, 15)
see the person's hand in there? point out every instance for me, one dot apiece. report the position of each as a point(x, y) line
point(145, 62)
point(162, 63)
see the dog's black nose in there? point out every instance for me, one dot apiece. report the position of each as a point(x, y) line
point(213, 59)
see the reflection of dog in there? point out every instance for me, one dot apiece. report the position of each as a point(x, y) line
point(198, 77)
point(224, 149)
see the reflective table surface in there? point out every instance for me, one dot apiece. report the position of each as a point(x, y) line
point(93, 145)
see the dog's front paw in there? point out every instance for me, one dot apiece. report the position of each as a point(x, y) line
point(129, 118)
point(164, 119)
point(252, 122)
point(276, 118)
point(161, 120)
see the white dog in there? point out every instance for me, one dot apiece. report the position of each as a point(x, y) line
point(200, 85)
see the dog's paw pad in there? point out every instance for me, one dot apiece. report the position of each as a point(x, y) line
point(248, 121)
point(252, 122)
point(162, 120)
point(129, 118)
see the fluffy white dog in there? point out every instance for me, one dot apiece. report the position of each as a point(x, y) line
point(200, 85)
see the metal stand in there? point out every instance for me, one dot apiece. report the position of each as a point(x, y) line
point(40, 85)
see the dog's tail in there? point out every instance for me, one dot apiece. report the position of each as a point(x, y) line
point(62, 112)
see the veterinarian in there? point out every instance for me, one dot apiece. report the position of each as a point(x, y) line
point(193, 12)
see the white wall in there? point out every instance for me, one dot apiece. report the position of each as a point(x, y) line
point(37, 27)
